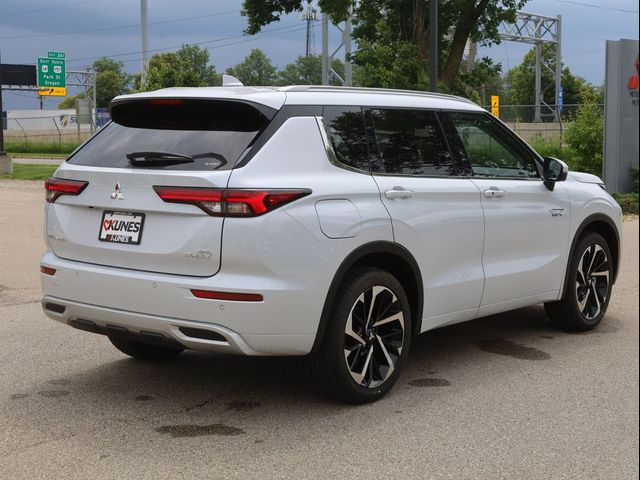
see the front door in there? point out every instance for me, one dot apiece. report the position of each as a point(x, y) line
point(526, 225)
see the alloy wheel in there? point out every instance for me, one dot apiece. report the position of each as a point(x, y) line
point(374, 336)
point(592, 282)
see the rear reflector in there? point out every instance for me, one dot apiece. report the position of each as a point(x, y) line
point(234, 297)
point(55, 187)
point(230, 203)
point(47, 270)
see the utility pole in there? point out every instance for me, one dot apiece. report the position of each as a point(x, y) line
point(325, 49)
point(2, 153)
point(537, 118)
point(558, 83)
point(433, 45)
point(327, 71)
point(346, 42)
point(6, 164)
point(144, 38)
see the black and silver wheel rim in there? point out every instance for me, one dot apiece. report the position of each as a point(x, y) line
point(374, 336)
point(592, 282)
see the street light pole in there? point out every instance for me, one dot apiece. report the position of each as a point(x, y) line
point(143, 34)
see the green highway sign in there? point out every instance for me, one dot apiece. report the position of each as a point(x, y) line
point(52, 70)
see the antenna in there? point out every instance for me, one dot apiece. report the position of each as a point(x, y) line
point(310, 15)
point(231, 81)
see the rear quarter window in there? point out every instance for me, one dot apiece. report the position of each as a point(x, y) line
point(346, 131)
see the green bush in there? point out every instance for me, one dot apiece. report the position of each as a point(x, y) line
point(585, 135)
point(553, 148)
point(628, 202)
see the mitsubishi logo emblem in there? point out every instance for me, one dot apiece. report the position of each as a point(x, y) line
point(117, 194)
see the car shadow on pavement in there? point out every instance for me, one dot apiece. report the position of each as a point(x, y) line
point(198, 388)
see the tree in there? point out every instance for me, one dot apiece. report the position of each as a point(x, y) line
point(255, 69)
point(389, 62)
point(188, 67)
point(520, 82)
point(308, 71)
point(70, 102)
point(405, 24)
point(111, 80)
point(585, 135)
point(479, 81)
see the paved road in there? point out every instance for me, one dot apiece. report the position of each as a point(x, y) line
point(503, 397)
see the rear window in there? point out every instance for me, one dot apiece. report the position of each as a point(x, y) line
point(213, 134)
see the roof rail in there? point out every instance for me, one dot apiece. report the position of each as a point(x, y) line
point(391, 91)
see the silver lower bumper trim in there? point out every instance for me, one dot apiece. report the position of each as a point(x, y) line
point(70, 312)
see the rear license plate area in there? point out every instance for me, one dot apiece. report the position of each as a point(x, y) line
point(121, 227)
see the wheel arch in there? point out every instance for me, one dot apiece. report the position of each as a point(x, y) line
point(388, 256)
point(605, 226)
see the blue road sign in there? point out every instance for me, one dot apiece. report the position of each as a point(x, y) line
point(560, 99)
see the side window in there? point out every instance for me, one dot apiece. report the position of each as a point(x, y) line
point(490, 150)
point(346, 132)
point(410, 142)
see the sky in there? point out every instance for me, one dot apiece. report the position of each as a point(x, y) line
point(87, 29)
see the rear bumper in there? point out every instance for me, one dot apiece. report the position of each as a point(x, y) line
point(284, 323)
point(163, 330)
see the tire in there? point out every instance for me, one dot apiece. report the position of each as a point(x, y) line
point(588, 288)
point(145, 351)
point(350, 377)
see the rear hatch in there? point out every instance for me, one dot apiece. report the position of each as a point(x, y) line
point(118, 219)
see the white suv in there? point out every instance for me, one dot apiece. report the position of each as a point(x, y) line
point(329, 222)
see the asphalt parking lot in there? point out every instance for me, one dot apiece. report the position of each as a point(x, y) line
point(503, 397)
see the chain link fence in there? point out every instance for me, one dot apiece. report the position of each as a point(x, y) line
point(50, 127)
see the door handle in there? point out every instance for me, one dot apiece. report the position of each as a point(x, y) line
point(398, 192)
point(494, 192)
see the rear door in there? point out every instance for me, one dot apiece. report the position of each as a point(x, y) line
point(435, 210)
point(118, 219)
point(527, 226)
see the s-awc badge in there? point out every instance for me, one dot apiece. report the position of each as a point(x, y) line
point(121, 227)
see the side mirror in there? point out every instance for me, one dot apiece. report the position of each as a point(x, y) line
point(553, 171)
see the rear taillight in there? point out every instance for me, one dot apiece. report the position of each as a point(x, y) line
point(56, 187)
point(230, 203)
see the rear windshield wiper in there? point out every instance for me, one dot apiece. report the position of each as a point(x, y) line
point(158, 158)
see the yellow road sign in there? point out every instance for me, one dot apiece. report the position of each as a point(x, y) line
point(53, 91)
point(495, 105)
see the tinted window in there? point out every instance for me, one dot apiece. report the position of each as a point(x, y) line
point(214, 133)
point(410, 142)
point(346, 132)
point(189, 114)
point(490, 149)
